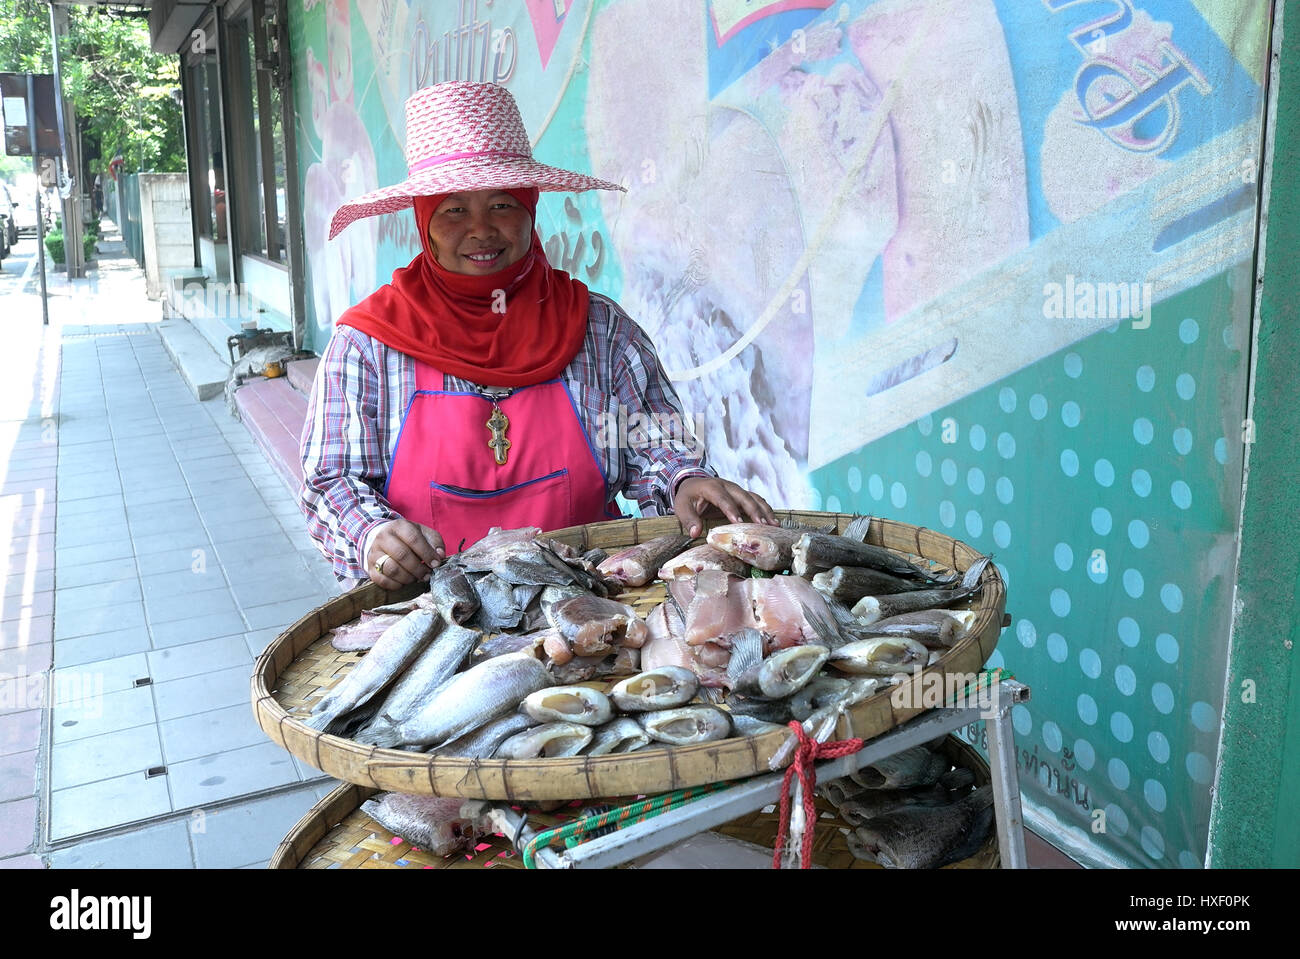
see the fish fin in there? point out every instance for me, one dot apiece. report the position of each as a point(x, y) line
point(713, 695)
point(791, 523)
point(857, 529)
point(975, 572)
point(826, 632)
point(746, 652)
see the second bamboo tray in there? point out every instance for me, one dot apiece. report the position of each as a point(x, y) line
point(337, 834)
point(301, 664)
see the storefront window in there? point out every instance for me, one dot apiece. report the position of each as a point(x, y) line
point(260, 132)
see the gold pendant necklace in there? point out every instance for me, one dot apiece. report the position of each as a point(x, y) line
point(497, 424)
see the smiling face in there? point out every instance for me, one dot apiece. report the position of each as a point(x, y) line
point(480, 231)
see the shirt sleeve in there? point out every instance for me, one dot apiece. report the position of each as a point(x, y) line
point(344, 449)
point(661, 448)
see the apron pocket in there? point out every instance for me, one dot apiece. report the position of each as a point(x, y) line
point(468, 514)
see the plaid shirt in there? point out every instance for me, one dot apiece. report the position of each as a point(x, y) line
point(363, 388)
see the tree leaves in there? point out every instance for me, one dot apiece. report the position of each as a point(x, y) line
point(120, 88)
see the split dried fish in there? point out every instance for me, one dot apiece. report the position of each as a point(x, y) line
point(637, 565)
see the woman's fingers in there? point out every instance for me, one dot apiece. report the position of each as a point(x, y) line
point(696, 494)
point(403, 552)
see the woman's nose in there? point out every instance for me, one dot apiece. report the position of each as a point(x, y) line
point(480, 224)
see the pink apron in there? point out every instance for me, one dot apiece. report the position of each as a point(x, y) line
point(445, 476)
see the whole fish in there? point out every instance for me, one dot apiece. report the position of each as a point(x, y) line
point(550, 740)
point(503, 643)
point(498, 545)
point(848, 584)
point(433, 667)
point(869, 609)
point(661, 688)
point(917, 766)
point(423, 601)
point(699, 558)
point(451, 592)
point(686, 725)
point(825, 691)
point(483, 742)
point(535, 568)
point(623, 735)
point(499, 608)
point(430, 823)
point(883, 656)
point(572, 704)
point(637, 565)
point(364, 633)
point(569, 669)
point(391, 654)
point(821, 551)
point(592, 625)
point(767, 547)
point(470, 699)
point(865, 804)
point(926, 837)
point(936, 628)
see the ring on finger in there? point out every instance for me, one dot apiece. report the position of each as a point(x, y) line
point(379, 564)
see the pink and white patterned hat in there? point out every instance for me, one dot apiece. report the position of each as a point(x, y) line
point(463, 136)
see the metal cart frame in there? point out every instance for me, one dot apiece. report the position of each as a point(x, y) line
point(715, 809)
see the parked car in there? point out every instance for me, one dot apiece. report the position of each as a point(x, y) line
point(25, 213)
point(7, 204)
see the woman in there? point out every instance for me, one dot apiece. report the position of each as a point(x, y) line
point(475, 389)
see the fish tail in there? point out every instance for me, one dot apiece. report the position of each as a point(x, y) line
point(975, 572)
point(319, 721)
point(825, 631)
point(381, 734)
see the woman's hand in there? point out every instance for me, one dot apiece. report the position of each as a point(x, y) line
point(696, 495)
point(406, 552)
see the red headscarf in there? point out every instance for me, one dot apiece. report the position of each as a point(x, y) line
point(447, 319)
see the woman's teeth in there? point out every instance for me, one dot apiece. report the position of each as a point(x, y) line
point(484, 257)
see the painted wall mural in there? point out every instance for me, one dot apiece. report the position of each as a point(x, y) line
point(979, 265)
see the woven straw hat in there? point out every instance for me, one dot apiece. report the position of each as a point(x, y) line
point(463, 136)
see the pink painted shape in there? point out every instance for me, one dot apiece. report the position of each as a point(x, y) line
point(778, 6)
point(546, 26)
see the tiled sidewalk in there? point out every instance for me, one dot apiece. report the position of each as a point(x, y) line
point(176, 556)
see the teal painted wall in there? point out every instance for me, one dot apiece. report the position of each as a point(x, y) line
point(1254, 821)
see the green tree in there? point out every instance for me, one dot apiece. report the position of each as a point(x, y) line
point(121, 90)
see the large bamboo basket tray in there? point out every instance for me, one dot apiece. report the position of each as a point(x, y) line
point(336, 834)
point(300, 665)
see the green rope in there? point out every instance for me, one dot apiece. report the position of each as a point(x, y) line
point(987, 679)
point(631, 814)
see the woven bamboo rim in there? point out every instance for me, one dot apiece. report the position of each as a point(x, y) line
point(300, 663)
point(336, 834)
